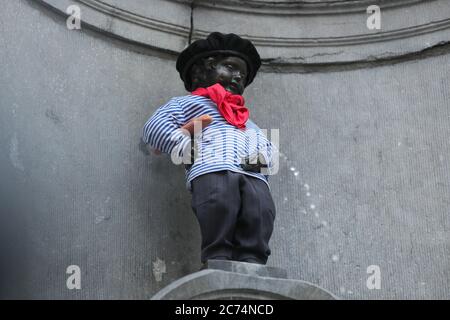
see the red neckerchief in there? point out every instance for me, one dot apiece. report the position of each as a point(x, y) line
point(231, 106)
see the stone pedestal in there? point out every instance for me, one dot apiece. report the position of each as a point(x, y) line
point(239, 280)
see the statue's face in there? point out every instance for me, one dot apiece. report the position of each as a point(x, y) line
point(230, 72)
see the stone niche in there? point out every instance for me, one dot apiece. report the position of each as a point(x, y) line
point(286, 33)
point(307, 32)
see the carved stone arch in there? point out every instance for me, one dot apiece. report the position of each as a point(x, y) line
point(285, 32)
point(293, 7)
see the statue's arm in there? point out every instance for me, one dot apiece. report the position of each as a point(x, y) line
point(268, 156)
point(273, 157)
point(163, 130)
point(167, 130)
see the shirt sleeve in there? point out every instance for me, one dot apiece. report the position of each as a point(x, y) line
point(270, 154)
point(266, 148)
point(273, 156)
point(163, 132)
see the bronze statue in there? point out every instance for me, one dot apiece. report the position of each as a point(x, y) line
point(229, 158)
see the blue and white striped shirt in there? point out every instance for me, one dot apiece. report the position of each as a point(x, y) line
point(220, 146)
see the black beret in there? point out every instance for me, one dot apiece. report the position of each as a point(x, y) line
point(217, 44)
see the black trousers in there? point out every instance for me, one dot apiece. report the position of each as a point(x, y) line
point(236, 215)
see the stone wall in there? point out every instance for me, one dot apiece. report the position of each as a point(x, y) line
point(364, 126)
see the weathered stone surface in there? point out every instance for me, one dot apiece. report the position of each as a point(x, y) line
point(158, 23)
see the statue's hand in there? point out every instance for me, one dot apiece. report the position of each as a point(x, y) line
point(198, 124)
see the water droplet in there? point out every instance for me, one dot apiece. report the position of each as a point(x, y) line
point(292, 168)
point(308, 194)
point(306, 186)
point(313, 206)
point(296, 173)
point(335, 258)
point(99, 219)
